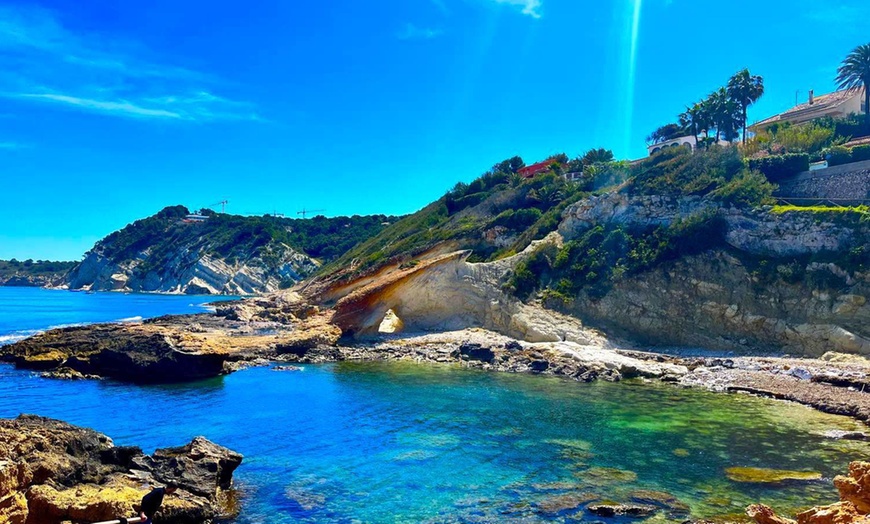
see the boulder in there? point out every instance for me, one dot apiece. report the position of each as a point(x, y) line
point(476, 352)
point(200, 467)
point(53, 472)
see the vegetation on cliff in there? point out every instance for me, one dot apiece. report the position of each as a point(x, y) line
point(498, 214)
point(175, 251)
point(234, 237)
point(607, 253)
point(32, 270)
point(501, 213)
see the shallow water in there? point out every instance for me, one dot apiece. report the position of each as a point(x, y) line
point(390, 442)
point(398, 442)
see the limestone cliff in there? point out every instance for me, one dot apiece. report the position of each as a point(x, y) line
point(191, 271)
point(793, 281)
point(211, 254)
point(760, 281)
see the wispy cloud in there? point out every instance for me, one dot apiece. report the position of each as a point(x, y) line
point(6, 146)
point(531, 8)
point(46, 63)
point(413, 32)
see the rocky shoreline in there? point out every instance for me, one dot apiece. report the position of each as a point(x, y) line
point(251, 332)
point(287, 328)
point(51, 471)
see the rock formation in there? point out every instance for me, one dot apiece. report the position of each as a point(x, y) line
point(191, 272)
point(717, 301)
point(448, 293)
point(176, 348)
point(760, 291)
point(53, 472)
point(853, 507)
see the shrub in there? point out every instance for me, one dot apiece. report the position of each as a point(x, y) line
point(466, 201)
point(529, 274)
point(677, 171)
point(778, 167)
point(838, 155)
point(749, 188)
point(808, 138)
point(518, 220)
point(860, 153)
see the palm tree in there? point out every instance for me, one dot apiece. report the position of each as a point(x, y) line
point(694, 119)
point(745, 89)
point(854, 73)
point(724, 114)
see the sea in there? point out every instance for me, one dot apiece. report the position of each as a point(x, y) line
point(405, 442)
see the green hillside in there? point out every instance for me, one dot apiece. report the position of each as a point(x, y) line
point(235, 237)
point(37, 269)
point(501, 212)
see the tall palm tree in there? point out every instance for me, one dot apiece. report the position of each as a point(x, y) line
point(724, 113)
point(854, 73)
point(745, 89)
point(694, 119)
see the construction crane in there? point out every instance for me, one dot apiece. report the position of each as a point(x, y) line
point(305, 212)
point(222, 203)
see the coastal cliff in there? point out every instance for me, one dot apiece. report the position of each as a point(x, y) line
point(170, 253)
point(33, 273)
point(178, 252)
point(772, 281)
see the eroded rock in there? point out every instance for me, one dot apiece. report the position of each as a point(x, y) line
point(53, 472)
point(853, 507)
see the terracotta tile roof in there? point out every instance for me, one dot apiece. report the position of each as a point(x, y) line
point(858, 142)
point(534, 169)
point(820, 103)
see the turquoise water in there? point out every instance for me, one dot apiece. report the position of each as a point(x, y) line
point(400, 442)
point(25, 311)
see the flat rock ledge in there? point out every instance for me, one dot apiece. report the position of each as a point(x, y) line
point(52, 472)
point(482, 349)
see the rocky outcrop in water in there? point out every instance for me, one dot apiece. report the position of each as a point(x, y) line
point(853, 507)
point(53, 472)
point(177, 348)
point(136, 353)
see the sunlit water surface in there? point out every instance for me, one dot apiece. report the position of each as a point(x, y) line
point(398, 442)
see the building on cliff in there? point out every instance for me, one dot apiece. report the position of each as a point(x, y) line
point(838, 104)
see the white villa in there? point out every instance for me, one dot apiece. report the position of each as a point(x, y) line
point(838, 104)
point(684, 141)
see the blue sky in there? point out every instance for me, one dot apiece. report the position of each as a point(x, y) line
point(112, 110)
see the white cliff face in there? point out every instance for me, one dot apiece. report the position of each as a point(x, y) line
point(453, 294)
point(190, 272)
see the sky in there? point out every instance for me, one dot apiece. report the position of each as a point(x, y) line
point(110, 111)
